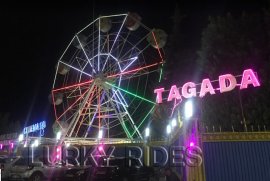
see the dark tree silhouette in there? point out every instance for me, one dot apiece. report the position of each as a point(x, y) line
point(232, 44)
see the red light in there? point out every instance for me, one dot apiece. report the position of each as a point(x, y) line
point(72, 86)
point(135, 70)
point(157, 46)
point(71, 106)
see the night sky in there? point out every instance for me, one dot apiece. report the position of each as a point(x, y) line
point(35, 35)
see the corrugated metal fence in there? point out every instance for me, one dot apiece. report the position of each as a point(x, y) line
point(236, 157)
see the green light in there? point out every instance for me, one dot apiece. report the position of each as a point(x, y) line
point(160, 75)
point(123, 125)
point(144, 119)
point(130, 93)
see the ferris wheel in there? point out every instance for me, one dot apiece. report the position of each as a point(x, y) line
point(104, 80)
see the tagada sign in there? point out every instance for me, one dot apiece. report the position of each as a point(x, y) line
point(226, 83)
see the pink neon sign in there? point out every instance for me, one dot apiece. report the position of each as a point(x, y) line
point(189, 90)
point(227, 83)
point(206, 86)
point(174, 94)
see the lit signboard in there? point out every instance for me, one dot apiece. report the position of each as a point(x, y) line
point(35, 127)
point(226, 83)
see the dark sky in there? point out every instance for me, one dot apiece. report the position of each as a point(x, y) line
point(34, 35)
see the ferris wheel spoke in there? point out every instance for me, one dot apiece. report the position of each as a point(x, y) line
point(133, 59)
point(113, 66)
point(85, 109)
point(90, 123)
point(130, 93)
point(94, 116)
point(130, 118)
point(85, 53)
point(75, 68)
point(134, 70)
point(115, 100)
point(75, 118)
point(124, 42)
point(73, 86)
point(105, 42)
point(71, 105)
point(87, 115)
point(116, 38)
point(122, 122)
point(135, 75)
point(123, 63)
point(146, 116)
point(135, 45)
point(83, 60)
point(120, 97)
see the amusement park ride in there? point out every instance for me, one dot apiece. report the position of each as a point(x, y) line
point(103, 86)
point(101, 90)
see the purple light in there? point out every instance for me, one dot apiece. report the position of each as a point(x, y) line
point(12, 145)
point(191, 144)
point(58, 152)
point(100, 148)
point(1, 146)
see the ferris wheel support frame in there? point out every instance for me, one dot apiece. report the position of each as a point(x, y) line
point(77, 113)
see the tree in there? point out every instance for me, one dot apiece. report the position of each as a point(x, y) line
point(232, 44)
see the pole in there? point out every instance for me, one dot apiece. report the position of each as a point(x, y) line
point(28, 155)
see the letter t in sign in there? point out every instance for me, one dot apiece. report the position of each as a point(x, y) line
point(159, 94)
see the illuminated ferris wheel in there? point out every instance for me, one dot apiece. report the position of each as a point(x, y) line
point(102, 86)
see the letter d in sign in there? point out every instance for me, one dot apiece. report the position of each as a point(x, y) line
point(159, 156)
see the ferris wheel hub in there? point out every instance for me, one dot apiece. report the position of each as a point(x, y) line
point(100, 81)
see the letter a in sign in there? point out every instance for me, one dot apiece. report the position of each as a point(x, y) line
point(206, 87)
point(174, 94)
point(249, 78)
